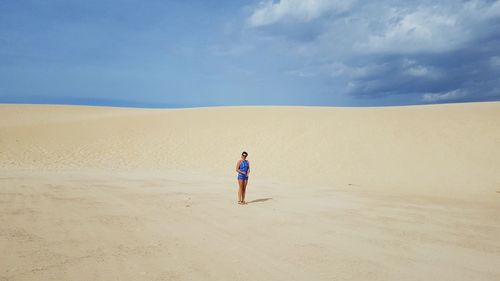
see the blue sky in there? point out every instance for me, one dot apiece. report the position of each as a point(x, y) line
point(209, 53)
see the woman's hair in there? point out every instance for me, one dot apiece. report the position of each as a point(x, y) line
point(244, 153)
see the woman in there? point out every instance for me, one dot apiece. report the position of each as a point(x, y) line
point(243, 169)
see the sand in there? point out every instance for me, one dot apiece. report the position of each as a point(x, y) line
point(394, 193)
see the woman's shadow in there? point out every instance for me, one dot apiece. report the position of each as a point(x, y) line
point(259, 200)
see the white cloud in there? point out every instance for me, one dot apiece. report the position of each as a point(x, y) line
point(440, 27)
point(495, 61)
point(419, 71)
point(482, 9)
point(382, 48)
point(413, 68)
point(381, 27)
point(357, 72)
point(270, 12)
point(422, 30)
point(438, 97)
point(339, 69)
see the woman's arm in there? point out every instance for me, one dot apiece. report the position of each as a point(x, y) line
point(238, 167)
point(248, 172)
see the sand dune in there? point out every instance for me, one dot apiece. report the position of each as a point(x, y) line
point(396, 193)
point(444, 149)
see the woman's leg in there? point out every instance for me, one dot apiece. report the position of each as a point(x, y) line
point(245, 182)
point(240, 190)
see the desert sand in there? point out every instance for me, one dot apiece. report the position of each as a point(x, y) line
point(384, 193)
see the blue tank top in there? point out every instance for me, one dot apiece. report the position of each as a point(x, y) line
point(244, 165)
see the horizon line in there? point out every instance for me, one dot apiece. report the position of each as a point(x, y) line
point(247, 105)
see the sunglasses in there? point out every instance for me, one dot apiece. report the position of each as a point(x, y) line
point(244, 155)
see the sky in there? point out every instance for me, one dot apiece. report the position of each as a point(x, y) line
point(161, 53)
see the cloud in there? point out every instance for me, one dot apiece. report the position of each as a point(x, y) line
point(495, 61)
point(270, 12)
point(422, 30)
point(434, 51)
point(416, 69)
point(447, 96)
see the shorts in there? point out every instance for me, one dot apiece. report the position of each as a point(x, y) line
point(242, 177)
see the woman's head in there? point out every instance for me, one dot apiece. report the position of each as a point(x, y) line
point(244, 154)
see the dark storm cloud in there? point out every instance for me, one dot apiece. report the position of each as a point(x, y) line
point(431, 51)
